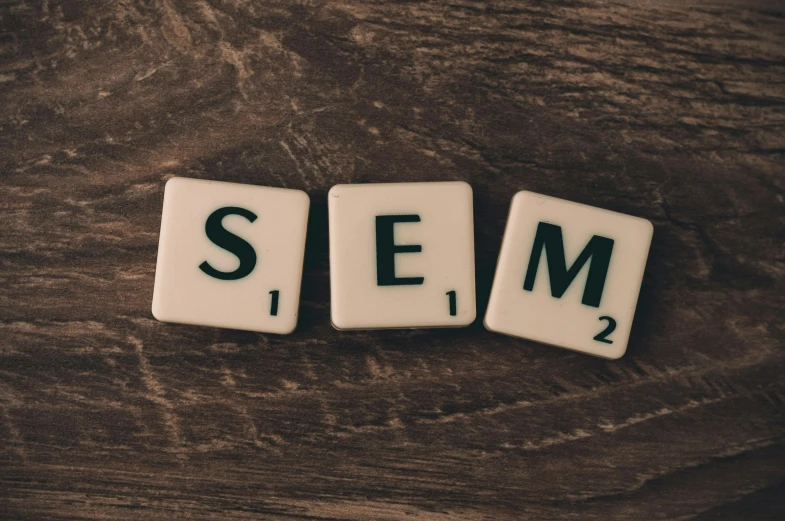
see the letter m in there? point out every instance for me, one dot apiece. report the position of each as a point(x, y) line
point(597, 253)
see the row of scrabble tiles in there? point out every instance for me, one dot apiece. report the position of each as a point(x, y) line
point(401, 256)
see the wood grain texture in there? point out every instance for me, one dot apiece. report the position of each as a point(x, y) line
point(672, 111)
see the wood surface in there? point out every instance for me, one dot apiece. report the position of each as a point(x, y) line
point(669, 110)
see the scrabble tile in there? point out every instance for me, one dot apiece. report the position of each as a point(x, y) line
point(230, 255)
point(401, 255)
point(568, 275)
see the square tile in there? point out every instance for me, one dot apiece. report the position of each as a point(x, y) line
point(569, 275)
point(401, 255)
point(230, 255)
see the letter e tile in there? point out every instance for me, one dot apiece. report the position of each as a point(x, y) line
point(401, 255)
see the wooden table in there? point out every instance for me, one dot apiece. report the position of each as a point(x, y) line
point(668, 110)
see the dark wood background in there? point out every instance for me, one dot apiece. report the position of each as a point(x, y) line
point(669, 110)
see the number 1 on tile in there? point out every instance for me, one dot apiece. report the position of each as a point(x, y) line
point(453, 303)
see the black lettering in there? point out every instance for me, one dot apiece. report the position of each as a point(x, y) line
point(386, 250)
point(602, 336)
point(231, 243)
point(597, 253)
point(453, 302)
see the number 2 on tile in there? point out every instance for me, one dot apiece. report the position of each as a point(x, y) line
point(602, 336)
point(274, 302)
point(453, 303)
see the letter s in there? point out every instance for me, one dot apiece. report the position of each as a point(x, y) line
point(231, 243)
